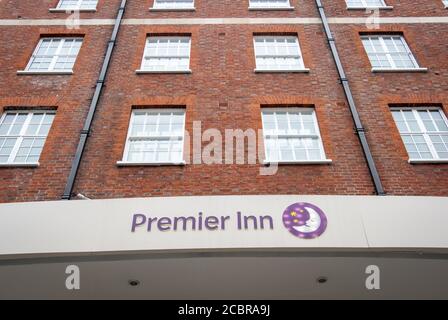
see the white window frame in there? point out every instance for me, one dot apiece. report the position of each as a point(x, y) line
point(51, 69)
point(253, 5)
point(129, 138)
point(445, 2)
point(145, 55)
point(393, 67)
point(316, 135)
point(22, 135)
point(426, 134)
point(157, 6)
point(59, 7)
point(300, 68)
point(366, 6)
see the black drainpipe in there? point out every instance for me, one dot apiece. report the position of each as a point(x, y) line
point(93, 105)
point(351, 102)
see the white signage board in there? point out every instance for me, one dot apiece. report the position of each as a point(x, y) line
point(223, 222)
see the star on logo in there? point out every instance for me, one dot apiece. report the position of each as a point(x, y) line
point(293, 214)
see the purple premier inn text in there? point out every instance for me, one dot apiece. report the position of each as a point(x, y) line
point(200, 222)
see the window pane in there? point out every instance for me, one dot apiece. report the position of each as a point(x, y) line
point(282, 123)
point(18, 124)
point(438, 120)
point(277, 53)
point(173, 4)
point(77, 4)
point(426, 155)
point(5, 151)
point(365, 3)
point(401, 125)
point(163, 148)
point(167, 54)
point(138, 130)
point(269, 3)
point(429, 126)
point(176, 151)
point(271, 150)
point(24, 129)
point(443, 155)
point(32, 159)
point(160, 136)
point(441, 125)
point(6, 124)
point(177, 123)
point(308, 127)
point(299, 150)
point(388, 51)
point(55, 54)
point(30, 150)
point(295, 123)
point(285, 147)
point(291, 136)
point(314, 154)
point(428, 144)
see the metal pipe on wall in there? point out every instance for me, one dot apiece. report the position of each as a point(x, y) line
point(351, 102)
point(93, 105)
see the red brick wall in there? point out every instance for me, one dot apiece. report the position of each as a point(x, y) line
point(401, 8)
point(224, 93)
point(375, 92)
point(222, 61)
point(70, 95)
point(21, 9)
point(221, 9)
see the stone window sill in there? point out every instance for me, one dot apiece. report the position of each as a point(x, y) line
point(149, 164)
point(324, 161)
point(389, 70)
point(49, 73)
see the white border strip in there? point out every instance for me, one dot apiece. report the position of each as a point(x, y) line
point(391, 20)
point(56, 22)
point(221, 21)
point(209, 21)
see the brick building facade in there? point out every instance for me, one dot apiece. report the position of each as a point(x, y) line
point(133, 105)
point(223, 92)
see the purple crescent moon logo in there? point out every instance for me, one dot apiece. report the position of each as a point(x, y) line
point(305, 220)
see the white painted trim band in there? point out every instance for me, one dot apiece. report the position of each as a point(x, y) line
point(55, 22)
point(388, 20)
point(227, 21)
point(223, 21)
